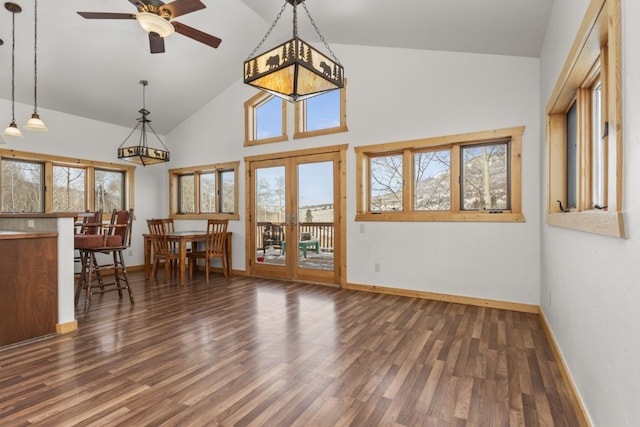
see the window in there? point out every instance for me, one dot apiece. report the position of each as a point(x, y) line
point(584, 144)
point(69, 185)
point(109, 190)
point(485, 177)
point(469, 177)
point(22, 186)
point(208, 191)
point(42, 183)
point(265, 119)
point(322, 114)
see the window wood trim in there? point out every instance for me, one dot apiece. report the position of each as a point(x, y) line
point(250, 106)
point(599, 38)
point(455, 214)
point(90, 165)
point(174, 191)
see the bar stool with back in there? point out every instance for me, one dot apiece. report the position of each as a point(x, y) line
point(115, 239)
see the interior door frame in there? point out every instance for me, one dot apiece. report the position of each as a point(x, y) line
point(340, 197)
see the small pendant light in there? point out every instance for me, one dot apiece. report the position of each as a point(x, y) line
point(12, 130)
point(35, 123)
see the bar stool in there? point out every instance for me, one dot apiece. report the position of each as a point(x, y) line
point(115, 239)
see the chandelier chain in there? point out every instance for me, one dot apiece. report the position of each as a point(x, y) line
point(35, 57)
point(326, 45)
point(13, 67)
point(266, 36)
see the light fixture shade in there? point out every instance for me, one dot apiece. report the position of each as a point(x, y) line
point(12, 131)
point(153, 23)
point(294, 71)
point(35, 123)
point(143, 155)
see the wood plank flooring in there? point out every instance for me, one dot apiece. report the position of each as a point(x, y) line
point(256, 352)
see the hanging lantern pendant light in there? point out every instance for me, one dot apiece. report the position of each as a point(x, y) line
point(294, 70)
point(142, 153)
point(12, 130)
point(35, 123)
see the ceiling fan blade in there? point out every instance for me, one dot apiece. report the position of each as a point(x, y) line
point(106, 15)
point(156, 43)
point(182, 7)
point(197, 35)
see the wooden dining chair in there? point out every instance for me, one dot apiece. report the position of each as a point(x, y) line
point(114, 240)
point(162, 250)
point(214, 247)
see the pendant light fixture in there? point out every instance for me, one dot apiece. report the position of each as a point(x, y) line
point(142, 154)
point(12, 130)
point(35, 123)
point(294, 70)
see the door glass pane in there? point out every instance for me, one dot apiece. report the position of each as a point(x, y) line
point(315, 215)
point(270, 214)
point(68, 189)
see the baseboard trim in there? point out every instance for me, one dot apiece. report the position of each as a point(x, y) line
point(65, 328)
point(578, 405)
point(480, 302)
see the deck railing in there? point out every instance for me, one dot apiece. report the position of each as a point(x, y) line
point(323, 231)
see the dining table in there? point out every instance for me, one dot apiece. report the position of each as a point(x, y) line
point(182, 238)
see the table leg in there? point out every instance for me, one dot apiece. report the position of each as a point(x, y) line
point(183, 258)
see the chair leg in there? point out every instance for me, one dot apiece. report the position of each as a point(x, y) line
point(225, 270)
point(121, 268)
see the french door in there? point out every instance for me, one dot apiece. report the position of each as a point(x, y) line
point(294, 217)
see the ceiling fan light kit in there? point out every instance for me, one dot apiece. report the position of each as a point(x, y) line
point(142, 153)
point(294, 70)
point(12, 130)
point(155, 24)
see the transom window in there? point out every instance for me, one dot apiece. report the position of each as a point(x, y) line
point(42, 183)
point(471, 177)
point(265, 119)
point(322, 114)
point(207, 191)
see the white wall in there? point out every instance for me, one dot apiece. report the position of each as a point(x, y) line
point(407, 94)
point(589, 284)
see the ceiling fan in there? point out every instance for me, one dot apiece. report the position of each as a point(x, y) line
point(154, 16)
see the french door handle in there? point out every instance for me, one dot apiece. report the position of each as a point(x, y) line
point(293, 220)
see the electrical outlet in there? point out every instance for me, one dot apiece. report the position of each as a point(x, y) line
point(30, 223)
point(376, 267)
point(129, 252)
point(362, 228)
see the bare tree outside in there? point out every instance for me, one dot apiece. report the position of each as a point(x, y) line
point(68, 189)
point(207, 192)
point(22, 186)
point(109, 190)
point(432, 180)
point(386, 183)
point(485, 177)
point(270, 194)
point(186, 185)
point(227, 179)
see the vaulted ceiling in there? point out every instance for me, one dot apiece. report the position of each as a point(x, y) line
point(92, 68)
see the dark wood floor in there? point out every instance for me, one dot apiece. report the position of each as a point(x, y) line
point(244, 351)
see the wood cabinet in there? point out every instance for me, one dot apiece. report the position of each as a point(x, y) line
point(28, 285)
